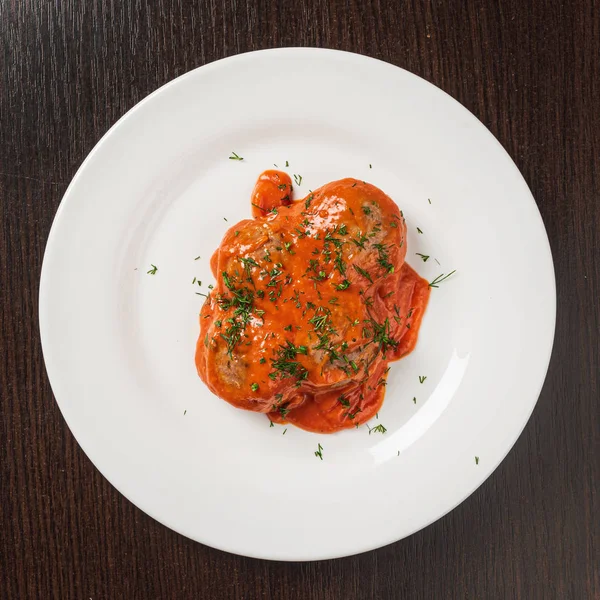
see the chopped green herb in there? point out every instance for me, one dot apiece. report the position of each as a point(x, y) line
point(414, 400)
point(153, 269)
point(284, 431)
point(248, 263)
point(298, 179)
point(227, 280)
point(440, 278)
point(380, 334)
point(343, 286)
point(319, 321)
point(422, 378)
point(477, 460)
point(377, 429)
point(254, 387)
point(241, 300)
point(234, 156)
point(285, 364)
point(424, 257)
point(287, 164)
point(353, 415)
point(360, 240)
point(362, 272)
point(419, 230)
point(263, 360)
point(383, 260)
point(319, 452)
point(197, 257)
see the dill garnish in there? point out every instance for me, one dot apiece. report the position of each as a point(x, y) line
point(440, 278)
point(319, 451)
point(362, 272)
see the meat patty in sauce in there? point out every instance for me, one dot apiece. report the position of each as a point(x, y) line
point(312, 300)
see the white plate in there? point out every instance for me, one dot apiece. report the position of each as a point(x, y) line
point(119, 343)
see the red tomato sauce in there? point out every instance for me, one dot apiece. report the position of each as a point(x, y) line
point(312, 300)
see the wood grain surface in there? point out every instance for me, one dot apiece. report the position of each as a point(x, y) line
point(529, 70)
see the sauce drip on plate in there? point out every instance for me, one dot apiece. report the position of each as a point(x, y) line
point(312, 300)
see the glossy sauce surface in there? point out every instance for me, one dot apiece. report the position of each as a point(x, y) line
point(312, 300)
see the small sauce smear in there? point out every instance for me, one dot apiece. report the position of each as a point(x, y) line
point(312, 300)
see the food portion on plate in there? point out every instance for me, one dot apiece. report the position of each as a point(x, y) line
point(313, 299)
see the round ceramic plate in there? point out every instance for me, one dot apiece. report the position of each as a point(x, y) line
point(160, 189)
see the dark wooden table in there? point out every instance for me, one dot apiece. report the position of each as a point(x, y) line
point(528, 69)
